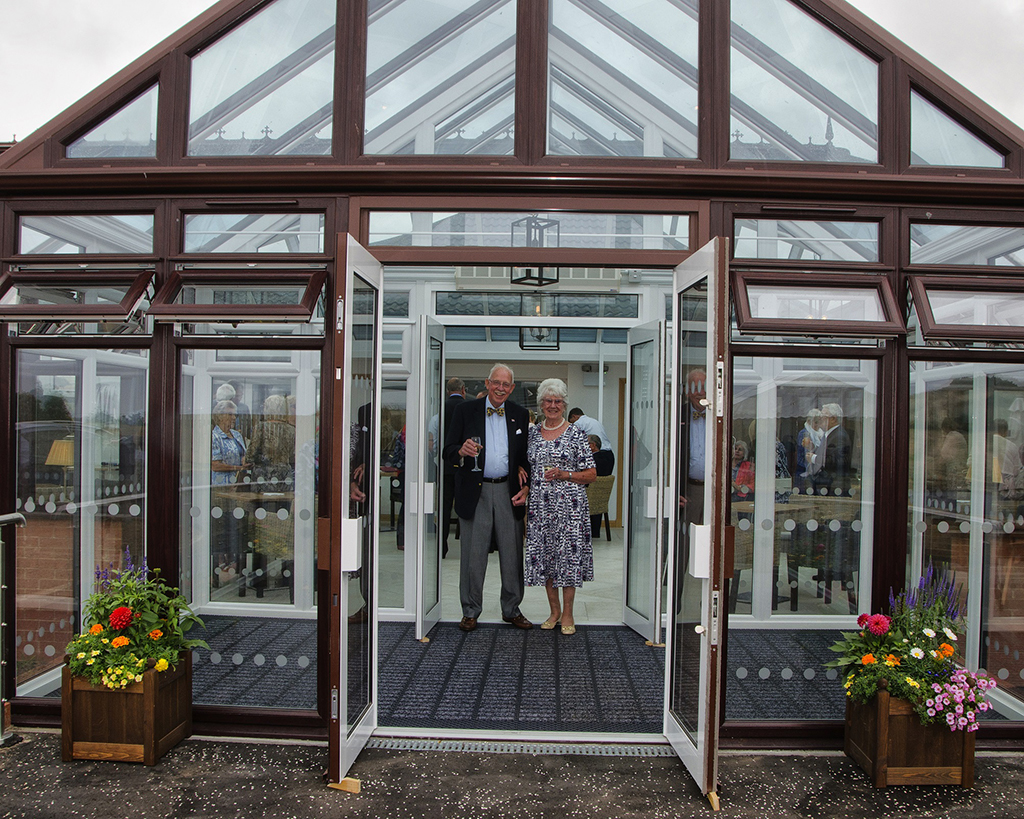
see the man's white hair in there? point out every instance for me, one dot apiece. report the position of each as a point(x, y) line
point(496, 367)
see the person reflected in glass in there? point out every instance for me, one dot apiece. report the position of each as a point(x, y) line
point(806, 444)
point(742, 472)
point(694, 422)
point(559, 549)
point(227, 457)
point(272, 449)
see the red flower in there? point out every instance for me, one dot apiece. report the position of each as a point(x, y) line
point(862, 620)
point(878, 624)
point(121, 617)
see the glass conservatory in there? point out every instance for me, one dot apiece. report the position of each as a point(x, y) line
point(237, 278)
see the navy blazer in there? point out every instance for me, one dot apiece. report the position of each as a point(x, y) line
point(469, 419)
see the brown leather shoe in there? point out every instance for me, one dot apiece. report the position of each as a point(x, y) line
point(519, 621)
point(467, 623)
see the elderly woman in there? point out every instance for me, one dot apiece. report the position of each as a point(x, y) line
point(227, 455)
point(559, 553)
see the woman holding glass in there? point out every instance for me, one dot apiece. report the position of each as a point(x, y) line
point(559, 553)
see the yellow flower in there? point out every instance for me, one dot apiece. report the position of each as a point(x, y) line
point(161, 664)
point(912, 682)
point(138, 678)
point(94, 654)
point(80, 655)
point(892, 660)
point(89, 662)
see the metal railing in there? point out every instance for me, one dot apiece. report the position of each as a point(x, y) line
point(6, 735)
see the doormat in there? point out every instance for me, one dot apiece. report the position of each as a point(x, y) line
point(601, 679)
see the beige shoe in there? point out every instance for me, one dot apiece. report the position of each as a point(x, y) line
point(549, 624)
point(569, 629)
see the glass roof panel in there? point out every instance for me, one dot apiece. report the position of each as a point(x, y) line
point(129, 132)
point(267, 87)
point(254, 233)
point(800, 92)
point(966, 245)
point(937, 139)
point(129, 233)
point(440, 77)
point(805, 240)
point(622, 78)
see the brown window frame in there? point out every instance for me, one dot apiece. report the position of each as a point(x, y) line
point(931, 329)
point(138, 279)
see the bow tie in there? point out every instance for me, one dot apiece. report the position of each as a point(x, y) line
point(492, 411)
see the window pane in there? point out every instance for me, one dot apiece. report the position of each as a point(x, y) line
point(65, 296)
point(489, 229)
point(441, 79)
point(247, 512)
point(536, 304)
point(81, 484)
point(967, 428)
point(254, 233)
point(966, 244)
point(622, 78)
point(976, 309)
point(85, 234)
point(266, 87)
point(815, 304)
point(805, 240)
point(800, 92)
point(937, 139)
point(131, 132)
point(802, 502)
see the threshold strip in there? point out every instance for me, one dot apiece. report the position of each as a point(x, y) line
point(531, 748)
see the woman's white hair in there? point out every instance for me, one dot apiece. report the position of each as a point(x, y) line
point(552, 388)
point(225, 392)
point(222, 407)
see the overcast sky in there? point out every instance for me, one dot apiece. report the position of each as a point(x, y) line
point(53, 52)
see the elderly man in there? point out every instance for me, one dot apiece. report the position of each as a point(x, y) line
point(486, 446)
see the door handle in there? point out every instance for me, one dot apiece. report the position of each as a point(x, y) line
point(699, 629)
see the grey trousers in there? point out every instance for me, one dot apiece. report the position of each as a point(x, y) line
point(493, 514)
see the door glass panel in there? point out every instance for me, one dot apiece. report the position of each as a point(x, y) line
point(430, 524)
point(643, 470)
point(938, 139)
point(802, 503)
point(391, 491)
point(691, 323)
point(130, 132)
point(440, 78)
point(967, 506)
point(81, 485)
point(267, 86)
point(250, 464)
point(800, 92)
point(622, 79)
point(362, 397)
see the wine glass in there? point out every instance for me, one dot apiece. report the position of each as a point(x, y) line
point(479, 445)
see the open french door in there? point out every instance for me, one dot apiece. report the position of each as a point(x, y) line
point(424, 472)
point(351, 552)
point(646, 464)
point(698, 485)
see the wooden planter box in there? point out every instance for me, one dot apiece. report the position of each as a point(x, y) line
point(138, 723)
point(886, 738)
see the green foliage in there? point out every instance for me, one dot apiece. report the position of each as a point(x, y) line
point(133, 619)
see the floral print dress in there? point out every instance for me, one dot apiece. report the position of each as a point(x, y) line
point(558, 544)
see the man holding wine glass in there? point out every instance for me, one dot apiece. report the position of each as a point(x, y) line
point(486, 445)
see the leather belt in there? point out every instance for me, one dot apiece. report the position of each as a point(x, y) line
point(502, 479)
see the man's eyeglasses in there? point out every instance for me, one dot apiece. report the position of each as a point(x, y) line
point(505, 385)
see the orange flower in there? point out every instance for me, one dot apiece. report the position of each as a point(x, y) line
point(119, 641)
point(97, 628)
point(156, 634)
point(868, 659)
point(892, 660)
point(946, 649)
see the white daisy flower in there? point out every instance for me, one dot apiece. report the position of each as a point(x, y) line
point(929, 632)
point(949, 633)
point(916, 653)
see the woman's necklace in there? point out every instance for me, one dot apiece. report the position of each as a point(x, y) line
point(544, 424)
